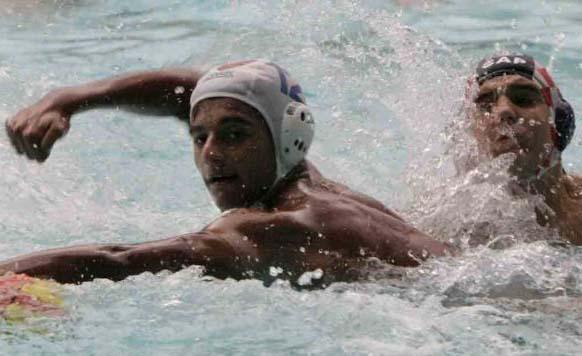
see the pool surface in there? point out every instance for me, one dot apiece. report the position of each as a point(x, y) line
point(385, 80)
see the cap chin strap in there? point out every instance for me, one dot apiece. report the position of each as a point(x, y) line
point(260, 203)
point(295, 138)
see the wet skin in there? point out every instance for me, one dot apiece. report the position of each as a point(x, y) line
point(511, 116)
point(306, 222)
point(233, 151)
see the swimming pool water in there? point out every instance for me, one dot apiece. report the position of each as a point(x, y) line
point(386, 84)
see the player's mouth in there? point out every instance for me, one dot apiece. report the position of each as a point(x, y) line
point(221, 179)
point(504, 143)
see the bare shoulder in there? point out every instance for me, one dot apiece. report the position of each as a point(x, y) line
point(325, 190)
point(258, 224)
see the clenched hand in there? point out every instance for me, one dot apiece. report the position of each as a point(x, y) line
point(34, 130)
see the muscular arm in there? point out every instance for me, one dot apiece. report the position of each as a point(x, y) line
point(161, 92)
point(243, 241)
point(84, 263)
point(34, 130)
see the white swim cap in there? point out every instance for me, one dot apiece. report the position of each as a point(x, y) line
point(270, 89)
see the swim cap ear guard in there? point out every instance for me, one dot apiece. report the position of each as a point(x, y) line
point(526, 66)
point(297, 131)
point(271, 90)
point(565, 122)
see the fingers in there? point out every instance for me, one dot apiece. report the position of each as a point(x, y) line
point(15, 128)
point(35, 136)
point(10, 131)
point(57, 130)
point(30, 141)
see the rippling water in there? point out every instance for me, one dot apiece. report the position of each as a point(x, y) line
point(386, 84)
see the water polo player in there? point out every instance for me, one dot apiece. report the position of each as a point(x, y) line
point(519, 109)
point(251, 130)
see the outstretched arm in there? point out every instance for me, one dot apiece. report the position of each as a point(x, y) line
point(84, 263)
point(34, 130)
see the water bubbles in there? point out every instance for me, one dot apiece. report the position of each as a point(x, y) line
point(521, 121)
point(275, 271)
point(307, 278)
point(302, 249)
point(548, 147)
point(4, 72)
point(179, 90)
point(553, 190)
point(411, 254)
point(531, 123)
point(172, 303)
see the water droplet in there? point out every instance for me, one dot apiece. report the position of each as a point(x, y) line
point(306, 279)
point(302, 249)
point(179, 90)
point(547, 147)
point(275, 271)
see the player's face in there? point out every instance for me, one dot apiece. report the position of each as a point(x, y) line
point(510, 115)
point(233, 151)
